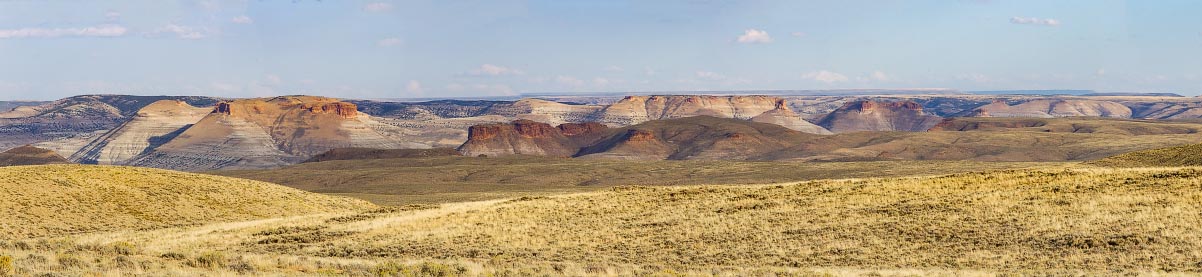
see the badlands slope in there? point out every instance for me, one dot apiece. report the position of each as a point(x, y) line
point(247, 133)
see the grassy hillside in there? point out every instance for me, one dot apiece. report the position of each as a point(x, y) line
point(1185, 155)
point(1047, 221)
point(338, 154)
point(1097, 220)
point(56, 200)
point(453, 179)
point(29, 155)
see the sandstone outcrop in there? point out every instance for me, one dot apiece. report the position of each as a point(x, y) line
point(784, 116)
point(262, 133)
point(868, 115)
point(638, 109)
point(525, 137)
point(1047, 108)
point(153, 126)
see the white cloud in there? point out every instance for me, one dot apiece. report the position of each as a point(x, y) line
point(754, 36)
point(389, 42)
point(112, 15)
point(494, 70)
point(569, 81)
point(414, 87)
point(93, 31)
point(879, 76)
point(825, 76)
point(274, 79)
point(649, 71)
point(613, 68)
point(1034, 21)
point(797, 34)
point(598, 81)
point(1100, 72)
point(710, 75)
point(377, 7)
point(242, 19)
point(180, 31)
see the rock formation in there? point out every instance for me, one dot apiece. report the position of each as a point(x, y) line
point(525, 137)
point(153, 126)
point(261, 133)
point(784, 116)
point(1053, 108)
point(637, 109)
point(701, 137)
point(868, 115)
point(67, 124)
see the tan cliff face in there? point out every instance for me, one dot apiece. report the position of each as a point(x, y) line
point(257, 133)
point(869, 115)
point(1048, 108)
point(153, 125)
point(637, 109)
point(784, 116)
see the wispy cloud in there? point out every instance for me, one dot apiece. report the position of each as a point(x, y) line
point(494, 70)
point(389, 42)
point(613, 68)
point(708, 75)
point(180, 31)
point(242, 19)
point(569, 81)
point(1035, 21)
point(112, 15)
point(754, 36)
point(414, 87)
point(93, 31)
point(377, 7)
point(825, 76)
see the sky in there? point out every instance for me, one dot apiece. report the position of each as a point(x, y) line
point(403, 49)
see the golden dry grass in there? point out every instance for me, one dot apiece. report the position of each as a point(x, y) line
point(459, 179)
point(53, 200)
point(1185, 155)
point(1063, 221)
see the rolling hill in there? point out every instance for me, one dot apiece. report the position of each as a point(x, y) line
point(1177, 156)
point(56, 200)
point(29, 155)
point(400, 181)
point(1049, 221)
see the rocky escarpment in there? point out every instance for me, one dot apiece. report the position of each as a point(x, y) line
point(29, 155)
point(637, 109)
point(153, 126)
point(868, 115)
point(784, 116)
point(67, 124)
point(525, 137)
point(261, 133)
point(701, 137)
point(1052, 108)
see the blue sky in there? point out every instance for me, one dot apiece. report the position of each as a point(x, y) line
point(386, 49)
